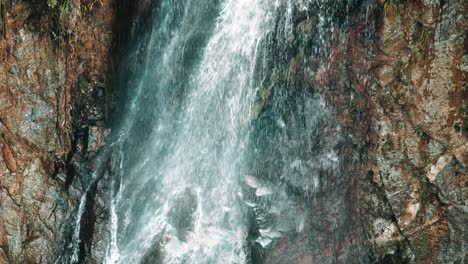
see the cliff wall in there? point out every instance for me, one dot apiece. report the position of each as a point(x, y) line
point(54, 79)
point(395, 76)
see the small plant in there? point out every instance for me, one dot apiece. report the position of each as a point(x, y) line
point(391, 7)
point(422, 33)
point(62, 5)
point(65, 8)
point(90, 6)
point(52, 3)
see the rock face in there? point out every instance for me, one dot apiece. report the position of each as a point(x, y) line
point(392, 73)
point(420, 131)
point(53, 95)
point(395, 73)
point(400, 92)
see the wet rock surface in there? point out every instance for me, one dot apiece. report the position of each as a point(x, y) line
point(395, 74)
point(397, 79)
point(53, 88)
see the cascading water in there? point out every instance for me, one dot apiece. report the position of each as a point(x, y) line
point(177, 200)
point(222, 146)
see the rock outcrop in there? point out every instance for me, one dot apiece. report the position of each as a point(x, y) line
point(53, 108)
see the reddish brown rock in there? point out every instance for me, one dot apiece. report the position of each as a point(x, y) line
point(8, 157)
point(44, 63)
point(416, 129)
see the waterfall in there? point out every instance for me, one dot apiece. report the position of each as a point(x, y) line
point(185, 133)
point(224, 141)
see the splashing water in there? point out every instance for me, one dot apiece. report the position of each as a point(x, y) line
point(198, 162)
point(226, 149)
point(177, 199)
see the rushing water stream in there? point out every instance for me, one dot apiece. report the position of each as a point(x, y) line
point(204, 168)
point(182, 185)
point(183, 188)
